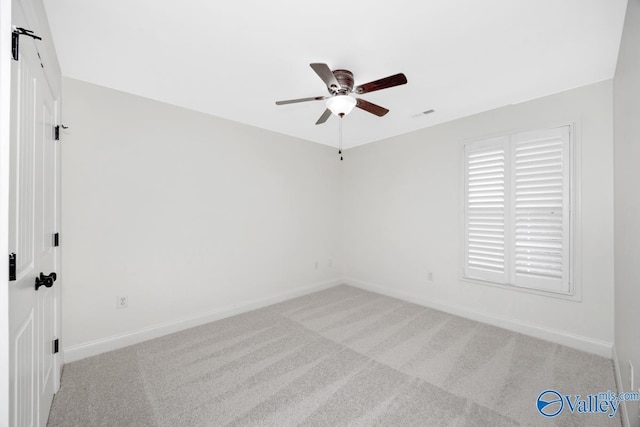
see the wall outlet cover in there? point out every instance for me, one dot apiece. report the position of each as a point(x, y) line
point(122, 301)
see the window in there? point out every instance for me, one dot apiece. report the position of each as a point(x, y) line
point(517, 210)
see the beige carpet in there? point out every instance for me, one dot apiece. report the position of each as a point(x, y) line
point(343, 356)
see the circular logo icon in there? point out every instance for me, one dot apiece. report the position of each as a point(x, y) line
point(550, 403)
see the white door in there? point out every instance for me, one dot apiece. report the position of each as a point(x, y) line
point(33, 202)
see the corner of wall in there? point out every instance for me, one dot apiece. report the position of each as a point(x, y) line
point(624, 414)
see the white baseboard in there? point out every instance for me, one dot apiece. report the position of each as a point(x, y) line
point(93, 348)
point(624, 415)
point(601, 348)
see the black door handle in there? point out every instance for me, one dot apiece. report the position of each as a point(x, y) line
point(46, 280)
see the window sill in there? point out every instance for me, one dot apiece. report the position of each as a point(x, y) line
point(574, 296)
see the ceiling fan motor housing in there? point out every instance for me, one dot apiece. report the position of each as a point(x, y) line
point(345, 78)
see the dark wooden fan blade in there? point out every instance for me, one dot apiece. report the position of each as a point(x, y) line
point(323, 118)
point(387, 82)
point(293, 101)
point(371, 108)
point(325, 74)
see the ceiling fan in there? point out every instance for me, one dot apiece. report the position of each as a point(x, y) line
point(340, 85)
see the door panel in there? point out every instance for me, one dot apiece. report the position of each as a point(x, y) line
point(47, 164)
point(46, 366)
point(24, 387)
point(25, 164)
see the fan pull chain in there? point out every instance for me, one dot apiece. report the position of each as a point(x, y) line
point(340, 137)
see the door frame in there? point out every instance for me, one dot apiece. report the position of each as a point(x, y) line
point(5, 132)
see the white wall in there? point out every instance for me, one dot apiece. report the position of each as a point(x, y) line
point(627, 203)
point(402, 204)
point(191, 215)
point(186, 214)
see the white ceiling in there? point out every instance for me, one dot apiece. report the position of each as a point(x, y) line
point(234, 59)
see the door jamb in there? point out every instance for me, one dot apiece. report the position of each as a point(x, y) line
point(5, 132)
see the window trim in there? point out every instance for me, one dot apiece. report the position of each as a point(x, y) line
point(575, 293)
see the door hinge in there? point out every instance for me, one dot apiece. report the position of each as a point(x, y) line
point(56, 346)
point(56, 131)
point(56, 239)
point(15, 40)
point(12, 266)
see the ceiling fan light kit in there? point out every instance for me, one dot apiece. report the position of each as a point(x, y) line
point(341, 105)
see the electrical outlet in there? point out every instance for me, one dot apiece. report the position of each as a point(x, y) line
point(430, 276)
point(631, 385)
point(330, 263)
point(122, 302)
point(316, 265)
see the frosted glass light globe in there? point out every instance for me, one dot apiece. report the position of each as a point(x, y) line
point(341, 104)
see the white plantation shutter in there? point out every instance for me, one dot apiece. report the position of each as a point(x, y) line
point(517, 210)
point(540, 178)
point(485, 205)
